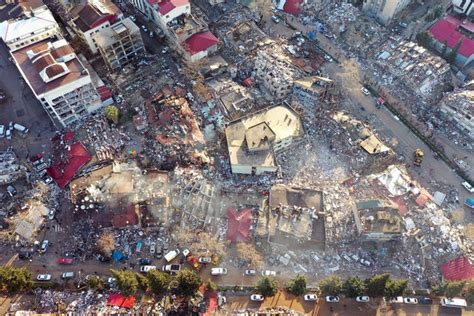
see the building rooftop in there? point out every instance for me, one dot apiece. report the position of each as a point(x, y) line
point(12, 29)
point(379, 219)
point(48, 65)
point(108, 36)
point(281, 120)
point(95, 13)
point(166, 6)
point(447, 30)
point(200, 42)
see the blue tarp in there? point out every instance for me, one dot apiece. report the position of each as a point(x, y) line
point(117, 255)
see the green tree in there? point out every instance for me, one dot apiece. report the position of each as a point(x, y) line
point(445, 47)
point(438, 12)
point(142, 280)
point(331, 285)
point(267, 287)
point(127, 282)
point(112, 113)
point(353, 287)
point(94, 282)
point(186, 283)
point(454, 52)
point(159, 282)
point(424, 39)
point(15, 279)
point(394, 288)
point(375, 286)
point(469, 295)
point(211, 286)
point(297, 286)
point(449, 289)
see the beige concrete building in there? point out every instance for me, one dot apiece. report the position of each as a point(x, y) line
point(252, 141)
point(119, 44)
point(384, 10)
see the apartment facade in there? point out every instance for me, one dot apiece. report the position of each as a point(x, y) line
point(384, 10)
point(465, 7)
point(59, 81)
point(120, 44)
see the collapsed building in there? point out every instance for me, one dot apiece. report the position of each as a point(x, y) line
point(252, 141)
point(378, 221)
point(384, 11)
point(420, 70)
point(457, 108)
point(9, 167)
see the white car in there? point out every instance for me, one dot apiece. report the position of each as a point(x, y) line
point(365, 91)
point(132, 18)
point(468, 186)
point(205, 259)
point(47, 180)
point(268, 273)
point(365, 262)
point(218, 271)
point(153, 248)
point(362, 299)
point(43, 277)
point(44, 245)
point(250, 272)
point(256, 297)
point(67, 275)
point(332, 299)
point(8, 134)
point(51, 215)
point(310, 297)
point(111, 281)
point(410, 300)
point(145, 269)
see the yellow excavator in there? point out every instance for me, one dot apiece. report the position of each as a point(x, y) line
point(418, 157)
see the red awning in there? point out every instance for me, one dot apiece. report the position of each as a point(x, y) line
point(457, 270)
point(292, 6)
point(238, 224)
point(121, 301)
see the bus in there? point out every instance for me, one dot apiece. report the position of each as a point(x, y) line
point(453, 302)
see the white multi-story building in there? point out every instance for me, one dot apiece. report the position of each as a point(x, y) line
point(93, 17)
point(464, 7)
point(384, 10)
point(59, 81)
point(35, 24)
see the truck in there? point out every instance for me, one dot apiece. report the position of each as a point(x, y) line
point(469, 203)
point(418, 157)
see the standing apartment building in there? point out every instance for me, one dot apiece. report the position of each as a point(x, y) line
point(384, 10)
point(120, 44)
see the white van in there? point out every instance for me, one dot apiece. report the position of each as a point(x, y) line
point(21, 129)
point(171, 255)
point(453, 302)
point(2, 131)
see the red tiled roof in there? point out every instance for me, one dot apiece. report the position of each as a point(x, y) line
point(238, 224)
point(62, 172)
point(445, 30)
point(457, 269)
point(104, 93)
point(166, 7)
point(200, 42)
point(125, 219)
point(292, 6)
point(121, 301)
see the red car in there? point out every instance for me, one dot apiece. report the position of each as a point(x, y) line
point(65, 260)
point(36, 157)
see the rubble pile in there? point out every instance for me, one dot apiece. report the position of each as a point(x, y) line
point(339, 16)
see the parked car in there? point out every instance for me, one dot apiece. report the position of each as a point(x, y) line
point(205, 259)
point(111, 281)
point(275, 19)
point(332, 299)
point(410, 300)
point(2, 131)
point(221, 299)
point(310, 297)
point(268, 273)
point(47, 179)
point(365, 262)
point(65, 260)
point(144, 261)
point(365, 91)
point(218, 271)
point(425, 300)
point(171, 255)
point(41, 167)
point(362, 299)
point(43, 277)
point(36, 158)
point(396, 300)
point(468, 186)
point(159, 252)
point(171, 268)
point(25, 255)
point(51, 214)
point(8, 134)
point(145, 269)
point(21, 129)
point(11, 190)
point(152, 248)
point(256, 297)
point(67, 275)
point(44, 245)
point(132, 18)
point(250, 272)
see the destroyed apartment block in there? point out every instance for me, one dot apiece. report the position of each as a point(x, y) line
point(252, 141)
point(10, 169)
point(245, 37)
point(457, 109)
point(420, 70)
point(308, 91)
point(295, 214)
point(276, 72)
point(28, 224)
point(377, 220)
point(120, 44)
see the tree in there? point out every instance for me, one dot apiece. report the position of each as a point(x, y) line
point(449, 289)
point(353, 287)
point(394, 288)
point(267, 287)
point(186, 283)
point(454, 52)
point(159, 282)
point(106, 244)
point(142, 280)
point(424, 38)
point(438, 12)
point(375, 286)
point(249, 253)
point(297, 286)
point(445, 47)
point(469, 295)
point(211, 286)
point(15, 279)
point(127, 282)
point(331, 285)
point(94, 282)
point(112, 113)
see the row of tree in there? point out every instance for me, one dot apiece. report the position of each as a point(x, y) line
point(15, 279)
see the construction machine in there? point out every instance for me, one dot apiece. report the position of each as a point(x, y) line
point(418, 157)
